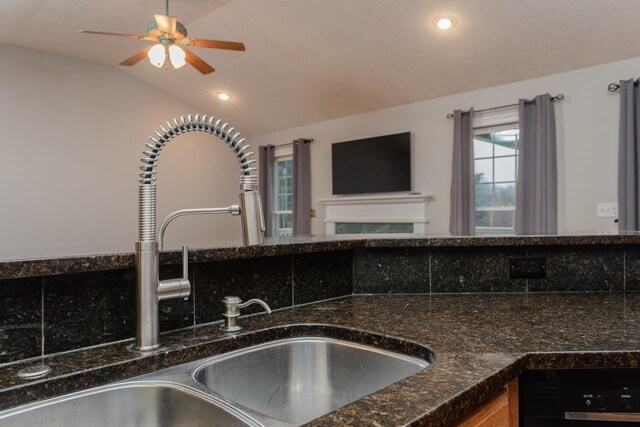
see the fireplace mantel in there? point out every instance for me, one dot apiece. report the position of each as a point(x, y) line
point(384, 209)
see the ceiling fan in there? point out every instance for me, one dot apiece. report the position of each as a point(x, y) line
point(168, 34)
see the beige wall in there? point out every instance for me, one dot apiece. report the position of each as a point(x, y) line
point(72, 132)
point(72, 136)
point(587, 124)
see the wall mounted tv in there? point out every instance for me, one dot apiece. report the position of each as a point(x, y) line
point(373, 165)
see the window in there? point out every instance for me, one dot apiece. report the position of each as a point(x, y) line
point(495, 152)
point(283, 214)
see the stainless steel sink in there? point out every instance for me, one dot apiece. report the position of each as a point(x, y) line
point(136, 404)
point(296, 380)
point(277, 384)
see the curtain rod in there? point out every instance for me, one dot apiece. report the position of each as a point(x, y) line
point(291, 143)
point(558, 97)
point(615, 86)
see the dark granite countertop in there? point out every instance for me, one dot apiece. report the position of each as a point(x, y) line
point(31, 266)
point(482, 341)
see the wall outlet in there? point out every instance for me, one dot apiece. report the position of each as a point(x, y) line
point(526, 267)
point(607, 210)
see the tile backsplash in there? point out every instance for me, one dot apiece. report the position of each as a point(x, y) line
point(20, 319)
point(50, 314)
point(593, 268)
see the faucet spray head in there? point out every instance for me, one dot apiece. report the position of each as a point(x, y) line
point(252, 217)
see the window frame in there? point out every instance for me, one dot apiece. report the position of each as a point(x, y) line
point(281, 154)
point(490, 123)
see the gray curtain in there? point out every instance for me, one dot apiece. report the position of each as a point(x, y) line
point(266, 184)
point(537, 186)
point(629, 158)
point(462, 220)
point(301, 187)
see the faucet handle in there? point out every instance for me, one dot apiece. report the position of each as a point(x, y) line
point(185, 262)
point(177, 288)
point(232, 311)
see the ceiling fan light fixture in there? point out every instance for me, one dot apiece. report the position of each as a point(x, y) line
point(168, 34)
point(157, 55)
point(177, 56)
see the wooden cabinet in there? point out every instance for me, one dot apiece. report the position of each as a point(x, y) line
point(500, 411)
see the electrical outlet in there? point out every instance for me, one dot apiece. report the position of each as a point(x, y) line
point(607, 210)
point(523, 267)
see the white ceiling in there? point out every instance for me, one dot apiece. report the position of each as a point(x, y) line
point(313, 60)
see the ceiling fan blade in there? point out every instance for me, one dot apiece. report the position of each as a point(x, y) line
point(137, 57)
point(102, 33)
point(198, 63)
point(166, 24)
point(215, 44)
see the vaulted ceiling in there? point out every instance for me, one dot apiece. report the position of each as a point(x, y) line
point(313, 60)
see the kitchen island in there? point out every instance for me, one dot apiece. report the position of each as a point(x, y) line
point(481, 342)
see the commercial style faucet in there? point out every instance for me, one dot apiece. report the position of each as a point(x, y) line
point(150, 290)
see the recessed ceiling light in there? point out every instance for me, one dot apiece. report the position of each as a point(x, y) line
point(444, 22)
point(224, 96)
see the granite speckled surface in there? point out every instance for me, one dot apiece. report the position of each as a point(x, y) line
point(586, 268)
point(16, 268)
point(632, 268)
point(482, 341)
point(474, 270)
point(590, 268)
point(322, 276)
point(391, 270)
point(20, 319)
point(76, 310)
point(84, 309)
point(267, 278)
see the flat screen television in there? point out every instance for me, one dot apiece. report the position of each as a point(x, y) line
point(372, 165)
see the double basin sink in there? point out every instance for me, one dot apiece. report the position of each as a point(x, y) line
point(281, 383)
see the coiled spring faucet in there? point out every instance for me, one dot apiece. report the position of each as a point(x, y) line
point(150, 289)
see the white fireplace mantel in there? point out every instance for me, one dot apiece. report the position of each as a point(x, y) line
point(387, 209)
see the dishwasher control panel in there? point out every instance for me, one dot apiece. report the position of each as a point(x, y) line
point(610, 399)
point(595, 397)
